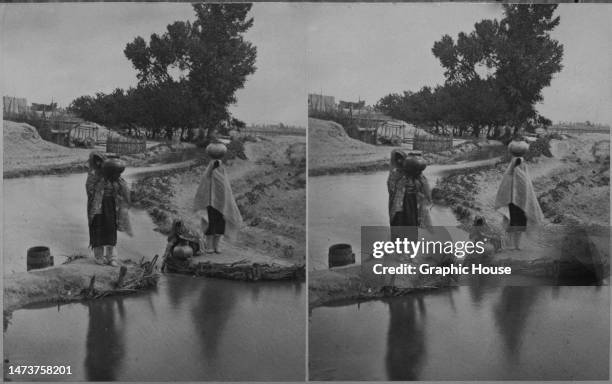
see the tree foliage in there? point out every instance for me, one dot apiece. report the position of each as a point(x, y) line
point(494, 75)
point(210, 55)
point(187, 76)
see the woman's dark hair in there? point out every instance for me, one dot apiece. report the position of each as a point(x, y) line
point(95, 161)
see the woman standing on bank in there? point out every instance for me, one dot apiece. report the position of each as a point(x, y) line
point(409, 192)
point(516, 198)
point(214, 201)
point(108, 199)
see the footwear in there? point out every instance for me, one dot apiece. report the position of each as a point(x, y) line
point(100, 261)
point(113, 263)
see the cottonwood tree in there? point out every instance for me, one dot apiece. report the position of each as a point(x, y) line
point(517, 54)
point(209, 57)
point(494, 76)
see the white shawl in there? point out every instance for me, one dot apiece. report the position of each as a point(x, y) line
point(215, 191)
point(516, 188)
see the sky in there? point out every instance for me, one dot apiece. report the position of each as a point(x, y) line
point(370, 50)
point(62, 51)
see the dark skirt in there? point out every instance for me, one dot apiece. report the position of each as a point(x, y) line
point(518, 219)
point(103, 227)
point(404, 224)
point(409, 216)
point(216, 222)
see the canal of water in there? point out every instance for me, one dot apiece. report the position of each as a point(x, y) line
point(187, 329)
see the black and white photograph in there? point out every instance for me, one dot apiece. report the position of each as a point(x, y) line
point(487, 126)
point(305, 191)
point(154, 191)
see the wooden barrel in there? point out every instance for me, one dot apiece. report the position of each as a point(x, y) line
point(39, 257)
point(340, 254)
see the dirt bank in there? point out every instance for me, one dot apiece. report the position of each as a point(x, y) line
point(332, 151)
point(348, 284)
point(72, 282)
point(270, 191)
point(27, 154)
point(573, 188)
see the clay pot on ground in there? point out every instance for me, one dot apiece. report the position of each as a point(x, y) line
point(182, 251)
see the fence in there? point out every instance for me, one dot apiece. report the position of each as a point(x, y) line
point(124, 146)
point(276, 132)
point(576, 130)
point(432, 143)
point(85, 132)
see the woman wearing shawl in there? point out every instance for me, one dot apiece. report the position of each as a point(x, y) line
point(409, 195)
point(517, 201)
point(182, 233)
point(108, 198)
point(216, 206)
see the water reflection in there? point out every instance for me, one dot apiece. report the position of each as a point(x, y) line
point(105, 343)
point(178, 290)
point(477, 288)
point(511, 314)
point(189, 329)
point(211, 317)
point(406, 338)
point(476, 332)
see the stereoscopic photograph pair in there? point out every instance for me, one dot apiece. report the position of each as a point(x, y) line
point(306, 191)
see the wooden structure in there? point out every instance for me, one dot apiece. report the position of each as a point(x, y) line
point(57, 130)
point(124, 146)
point(392, 129)
point(275, 132)
point(340, 255)
point(63, 131)
point(374, 130)
point(427, 142)
point(13, 106)
point(351, 104)
point(365, 134)
point(84, 131)
point(573, 130)
point(321, 103)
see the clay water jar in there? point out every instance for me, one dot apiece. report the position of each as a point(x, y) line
point(414, 163)
point(518, 148)
point(112, 168)
point(216, 150)
point(182, 251)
